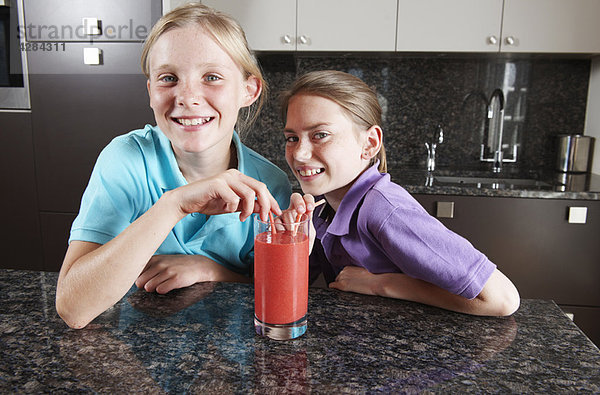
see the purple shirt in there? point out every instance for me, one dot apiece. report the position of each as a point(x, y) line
point(381, 227)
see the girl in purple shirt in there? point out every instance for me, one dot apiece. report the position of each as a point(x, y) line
point(373, 237)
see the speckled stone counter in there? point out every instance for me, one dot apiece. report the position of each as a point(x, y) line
point(201, 339)
point(552, 185)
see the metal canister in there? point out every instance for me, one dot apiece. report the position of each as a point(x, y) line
point(574, 153)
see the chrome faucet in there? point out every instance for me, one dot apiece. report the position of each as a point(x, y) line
point(492, 130)
point(495, 115)
point(431, 146)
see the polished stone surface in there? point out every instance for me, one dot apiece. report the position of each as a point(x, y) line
point(553, 185)
point(545, 96)
point(201, 339)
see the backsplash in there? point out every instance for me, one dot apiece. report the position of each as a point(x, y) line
point(544, 97)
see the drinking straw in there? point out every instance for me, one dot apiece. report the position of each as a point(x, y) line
point(272, 222)
point(299, 217)
point(296, 224)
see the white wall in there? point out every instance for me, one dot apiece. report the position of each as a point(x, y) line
point(592, 118)
point(168, 5)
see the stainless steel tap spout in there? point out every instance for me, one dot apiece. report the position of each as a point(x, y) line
point(431, 146)
point(495, 114)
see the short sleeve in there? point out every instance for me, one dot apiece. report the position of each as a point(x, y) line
point(422, 247)
point(115, 196)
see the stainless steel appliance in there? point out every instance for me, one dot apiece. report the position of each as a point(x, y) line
point(14, 82)
point(574, 153)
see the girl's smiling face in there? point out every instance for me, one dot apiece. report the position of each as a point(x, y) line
point(196, 91)
point(324, 148)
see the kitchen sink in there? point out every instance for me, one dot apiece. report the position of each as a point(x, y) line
point(490, 182)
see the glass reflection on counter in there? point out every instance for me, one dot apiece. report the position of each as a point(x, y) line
point(280, 371)
point(199, 339)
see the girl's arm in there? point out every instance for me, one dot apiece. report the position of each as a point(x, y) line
point(164, 273)
point(300, 204)
point(499, 297)
point(94, 277)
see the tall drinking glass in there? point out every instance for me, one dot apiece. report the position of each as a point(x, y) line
point(281, 278)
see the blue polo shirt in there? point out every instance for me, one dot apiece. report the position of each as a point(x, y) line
point(381, 227)
point(134, 170)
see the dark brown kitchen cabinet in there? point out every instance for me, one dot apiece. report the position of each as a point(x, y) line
point(21, 241)
point(55, 228)
point(86, 88)
point(77, 109)
point(587, 319)
point(533, 243)
point(98, 20)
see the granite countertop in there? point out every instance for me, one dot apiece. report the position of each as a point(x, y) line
point(202, 339)
point(549, 184)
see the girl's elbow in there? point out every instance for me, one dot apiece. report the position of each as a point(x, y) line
point(515, 302)
point(71, 318)
point(510, 303)
point(500, 304)
point(502, 294)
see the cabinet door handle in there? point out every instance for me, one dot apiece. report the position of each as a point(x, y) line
point(303, 40)
point(287, 39)
point(510, 40)
point(445, 210)
point(492, 40)
point(577, 215)
point(92, 56)
point(571, 316)
point(91, 26)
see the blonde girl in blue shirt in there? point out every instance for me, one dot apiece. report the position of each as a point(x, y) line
point(148, 214)
point(372, 237)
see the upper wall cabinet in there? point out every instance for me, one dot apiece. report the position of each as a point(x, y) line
point(314, 25)
point(270, 25)
point(551, 26)
point(561, 26)
point(443, 26)
point(346, 25)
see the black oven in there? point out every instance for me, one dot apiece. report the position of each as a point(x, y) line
point(14, 84)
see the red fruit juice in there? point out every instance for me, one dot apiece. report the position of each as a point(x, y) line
point(280, 277)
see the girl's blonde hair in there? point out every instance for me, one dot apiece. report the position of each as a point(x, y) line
point(226, 32)
point(349, 92)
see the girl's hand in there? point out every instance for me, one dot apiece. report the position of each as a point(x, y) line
point(299, 205)
point(356, 279)
point(302, 204)
point(228, 192)
point(164, 273)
